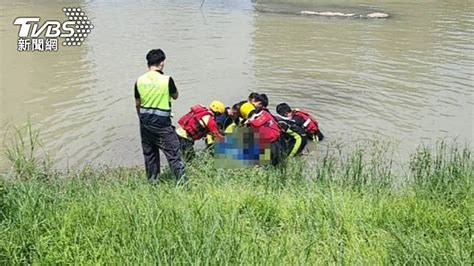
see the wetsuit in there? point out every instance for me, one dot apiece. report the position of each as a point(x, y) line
point(295, 137)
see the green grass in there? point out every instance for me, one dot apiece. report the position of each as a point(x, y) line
point(347, 208)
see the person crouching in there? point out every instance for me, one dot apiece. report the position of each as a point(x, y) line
point(196, 124)
point(302, 119)
point(295, 136)
point(269, 132)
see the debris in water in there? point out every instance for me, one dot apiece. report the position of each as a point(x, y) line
point(329, 11)
point(377, 15)
point(339, 14)
point(327, 14)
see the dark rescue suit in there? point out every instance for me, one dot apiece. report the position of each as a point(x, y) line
point(157, 133)
point(295, 136)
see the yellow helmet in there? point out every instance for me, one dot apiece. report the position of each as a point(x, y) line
point(246, 109)
point(217, 107)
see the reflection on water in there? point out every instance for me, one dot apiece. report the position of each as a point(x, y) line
point(409, 77)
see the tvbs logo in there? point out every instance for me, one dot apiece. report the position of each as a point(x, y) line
point(36, 36)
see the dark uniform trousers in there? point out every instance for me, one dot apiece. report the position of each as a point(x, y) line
point(187, 148)
point(159, 138)
point(277, 149)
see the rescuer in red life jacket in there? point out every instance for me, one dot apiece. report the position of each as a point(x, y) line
point(267, 127)
point(294, 137)
point(196, 124)
point(302, 119)
point(259, 100)
point(252, 97)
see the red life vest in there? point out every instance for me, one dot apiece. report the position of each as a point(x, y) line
point(266, 126)
point(310, 124)
point(193, 124)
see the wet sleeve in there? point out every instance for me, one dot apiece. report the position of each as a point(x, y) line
point(137, 95)
point(212, 126)
point(172, 86)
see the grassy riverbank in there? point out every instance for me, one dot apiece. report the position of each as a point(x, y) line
point(350, 207)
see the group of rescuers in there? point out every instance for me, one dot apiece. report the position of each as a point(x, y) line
point(286, 133)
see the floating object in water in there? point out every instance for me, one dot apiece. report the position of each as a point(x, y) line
point(378, 15)
point(339, 14)
point(329, 11)
point(327, 14)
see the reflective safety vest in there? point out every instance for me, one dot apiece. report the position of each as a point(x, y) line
point(310, 124)
point(268, 128)
point(154, 93)
point(193, 123)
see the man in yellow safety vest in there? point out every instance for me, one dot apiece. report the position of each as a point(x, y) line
point(153, 94)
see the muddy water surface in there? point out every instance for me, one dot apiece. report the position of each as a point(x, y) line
point(408, 78)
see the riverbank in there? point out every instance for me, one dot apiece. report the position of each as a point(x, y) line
point(348, 208)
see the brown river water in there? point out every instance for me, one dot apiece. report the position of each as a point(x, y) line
point(408, 79)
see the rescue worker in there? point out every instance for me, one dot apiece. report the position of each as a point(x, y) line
point(294, 136)
point(238, 119)
point(225, 123)
point(302, 119)
point(196, 124)
point(260, 101)
point(268, 130)
point(153, 94)
point(252, 96)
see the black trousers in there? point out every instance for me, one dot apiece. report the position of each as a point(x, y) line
point(187, 148)
point(291, 142)
point(165, 139)
point(277, 149)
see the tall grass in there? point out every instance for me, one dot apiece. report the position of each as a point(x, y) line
point(341, 209)
point(24, 151)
